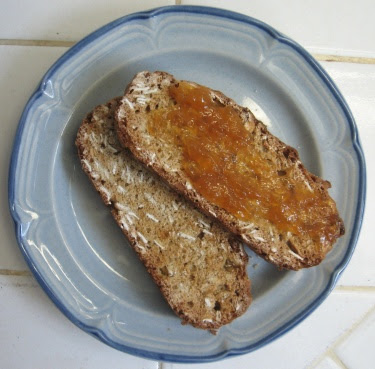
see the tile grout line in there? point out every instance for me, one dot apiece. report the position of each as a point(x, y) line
point(346, 334)
point(332, 356)
point(344, 59)
point(337, 360)
point(330, 351)
point(62, 43)
point(48, 43)
point(354, 289)
point(18, 273)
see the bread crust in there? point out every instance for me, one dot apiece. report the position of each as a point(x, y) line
point(148, 91)
point(198, 266)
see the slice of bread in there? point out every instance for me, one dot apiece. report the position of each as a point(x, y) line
point(283, 244)
point(198, 266)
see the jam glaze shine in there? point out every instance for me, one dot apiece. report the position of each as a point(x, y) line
point(227, 166)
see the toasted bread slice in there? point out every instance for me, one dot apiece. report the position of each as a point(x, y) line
point(280, 183)
point(199, 267)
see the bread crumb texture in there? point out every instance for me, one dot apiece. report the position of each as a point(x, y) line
point(199, 267)
point(286, 248)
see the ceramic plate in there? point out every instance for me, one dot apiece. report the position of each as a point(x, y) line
point(75, 249)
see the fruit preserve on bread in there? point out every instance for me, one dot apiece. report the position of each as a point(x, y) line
point(228, 166)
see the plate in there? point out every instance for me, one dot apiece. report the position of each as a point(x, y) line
point(72, 245)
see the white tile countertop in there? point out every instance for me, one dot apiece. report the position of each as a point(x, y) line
point(339, 334)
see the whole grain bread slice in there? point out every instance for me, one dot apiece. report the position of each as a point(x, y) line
point(199, 267)
point(149, 92)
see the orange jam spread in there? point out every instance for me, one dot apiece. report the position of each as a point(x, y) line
point(224, 165)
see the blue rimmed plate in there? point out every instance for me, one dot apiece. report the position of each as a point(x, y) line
point(68, 237)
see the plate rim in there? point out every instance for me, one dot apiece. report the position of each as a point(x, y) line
point(322, 74)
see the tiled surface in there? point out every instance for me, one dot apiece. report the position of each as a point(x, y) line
point(328, 363)
point(297, 349)
point(64, 20)
point(66, 343)
point(357, 83)
point(357, 350)
point(51, 340)
point(21, 69)
point(339, 334)
point(322, 26)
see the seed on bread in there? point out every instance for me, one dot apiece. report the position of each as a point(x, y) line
point(286, 207)
point(163, 229)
